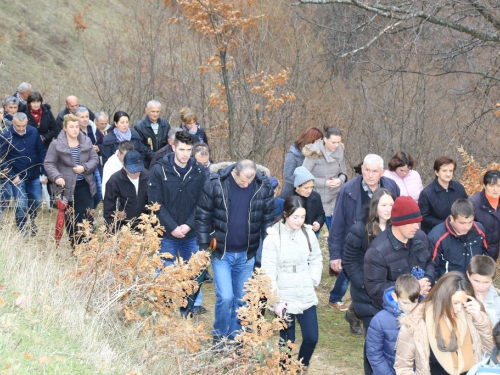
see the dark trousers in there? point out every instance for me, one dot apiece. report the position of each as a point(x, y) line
point(76, 211)
point(308, 321)
point(366, 312)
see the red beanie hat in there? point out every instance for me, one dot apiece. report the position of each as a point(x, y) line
point(405, 211)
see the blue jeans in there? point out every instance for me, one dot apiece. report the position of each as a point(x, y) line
point(340, 287)
point(328, 222)
point(28, 198)
point(308, 321)
point(5, 193)
point(183, 249)
point(230, 274)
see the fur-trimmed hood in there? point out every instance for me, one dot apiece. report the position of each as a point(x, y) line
point(317, 150)
point(214, 168)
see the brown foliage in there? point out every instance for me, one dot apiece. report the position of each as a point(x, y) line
point(472, 177)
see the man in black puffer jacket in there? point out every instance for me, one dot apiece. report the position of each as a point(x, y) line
point(401, 248)
point(238, 204)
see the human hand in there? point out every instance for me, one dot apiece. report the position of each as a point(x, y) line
point(78, 169)
point(96, 148)
point(336, 265)
point(44, 181)
point(184, 229)
point(278, 309)
point(60, 181)
point(425, 286)
point(472, 307)
point(177, 233)
point(16, 180)
point(316, 226)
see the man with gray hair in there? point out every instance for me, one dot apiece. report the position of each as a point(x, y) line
point(236, 206)
point(22, 93)
point(22, 153)
point(201, 152)
point(102, 122)
point(11, 107)
point(353, 199)
point(153, 130)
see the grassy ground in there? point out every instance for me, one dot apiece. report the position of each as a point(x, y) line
point(50, 332)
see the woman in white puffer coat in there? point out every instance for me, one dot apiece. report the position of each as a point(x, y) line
point(291, 257)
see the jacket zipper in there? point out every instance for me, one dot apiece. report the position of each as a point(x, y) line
point(227, 218)
point(249, 214)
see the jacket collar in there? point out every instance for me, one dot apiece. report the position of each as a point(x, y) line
point(123, 175)
point(397, 244)
point(473, 232)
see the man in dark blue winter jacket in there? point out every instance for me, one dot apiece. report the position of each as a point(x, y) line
point(456, 241)
point(22, 153)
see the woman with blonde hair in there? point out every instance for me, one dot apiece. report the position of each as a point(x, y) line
point(447, 333)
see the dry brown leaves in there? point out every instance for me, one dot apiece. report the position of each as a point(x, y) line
point(472, 177)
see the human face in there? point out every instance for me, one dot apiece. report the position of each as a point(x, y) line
point(481, 284)
point(305, 189)
point(11, 109)
point(20, 126)
point(445, 174)
point(101, 122)
point(35, 106)
point(461, 224)
point(24, 95)
point(203, 160)
point(72, 104)
point(457, 301)
point(384, 207)
point(406, 232)
point(190, 125)
point(153, 112)
point(72, 129)
point(296, 220)
point(493, 190)
point(133, 176)
point(182, 153)
point(242, 180)
point(403, 171)
point(372, 174)
point(83, 119)
point(404, 303)
point(332, 143)
point(1, 113)
point(122, 124)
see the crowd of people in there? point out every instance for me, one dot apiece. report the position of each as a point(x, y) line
point(421, 261)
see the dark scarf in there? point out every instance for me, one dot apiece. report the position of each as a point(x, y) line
point(37, 115)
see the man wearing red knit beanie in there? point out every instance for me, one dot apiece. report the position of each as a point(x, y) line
point(402, 248)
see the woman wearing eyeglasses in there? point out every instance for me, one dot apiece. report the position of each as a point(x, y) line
point(488, 211)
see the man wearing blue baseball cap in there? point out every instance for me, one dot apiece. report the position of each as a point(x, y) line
point(127, 191)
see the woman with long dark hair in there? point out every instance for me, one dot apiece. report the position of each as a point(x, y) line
point(447, 333)
point(120, 131)
point(292, 259)
point(360, 236)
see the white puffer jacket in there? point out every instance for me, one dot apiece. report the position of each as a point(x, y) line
point(294, 269)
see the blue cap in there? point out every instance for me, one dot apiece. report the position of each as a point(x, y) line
point(134, 162)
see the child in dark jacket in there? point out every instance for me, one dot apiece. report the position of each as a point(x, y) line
point(384, 328)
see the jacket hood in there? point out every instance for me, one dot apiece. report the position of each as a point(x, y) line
point(219, 167)
point(294, 150)
point(317, 150)
point(389, 304)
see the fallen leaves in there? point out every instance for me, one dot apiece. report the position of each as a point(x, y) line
point(44, 359)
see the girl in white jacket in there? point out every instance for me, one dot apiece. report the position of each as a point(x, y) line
point(291, 257)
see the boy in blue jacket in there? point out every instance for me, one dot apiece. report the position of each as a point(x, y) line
point(384, 328)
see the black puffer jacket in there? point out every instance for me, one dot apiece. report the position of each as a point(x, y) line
point(143, 127)
point(177, 196)
point(490, 219)
point(212, 214)
point(386, 259)
point(314, 211)
point(354, 259)
point(48, 127)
